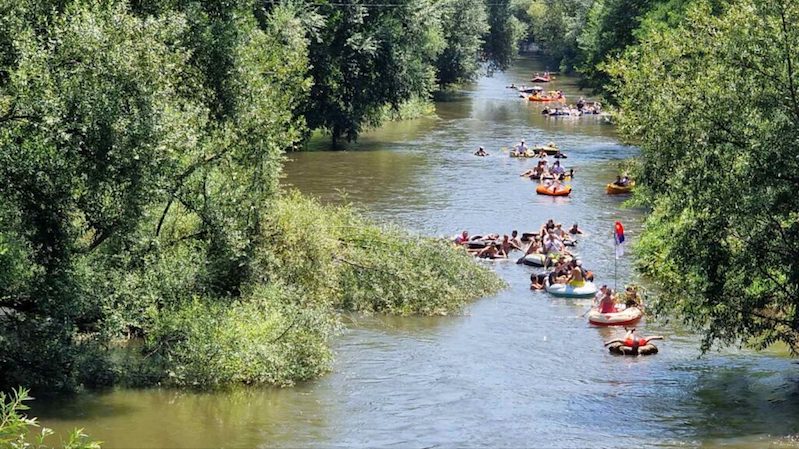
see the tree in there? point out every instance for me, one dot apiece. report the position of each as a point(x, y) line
point(504, 35)
point(714, 104)
point(464, 24)
point(90, 118)
point(365, 57)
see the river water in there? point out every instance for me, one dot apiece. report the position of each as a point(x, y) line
point(520, 369)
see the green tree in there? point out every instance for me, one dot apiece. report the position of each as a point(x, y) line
point(714, 105)
point(365, 57)
point(555, 26)
point(464, 24)
point(89, 119)
point(505, 32)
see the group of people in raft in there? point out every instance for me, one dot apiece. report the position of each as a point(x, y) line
point(582, 107)
point(551, 240)
point(541, 151)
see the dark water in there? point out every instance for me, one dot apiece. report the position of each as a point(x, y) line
point(520, 369)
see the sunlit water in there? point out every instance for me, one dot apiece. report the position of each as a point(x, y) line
point(520, 369)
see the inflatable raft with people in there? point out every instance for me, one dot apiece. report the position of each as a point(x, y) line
point(621, 317)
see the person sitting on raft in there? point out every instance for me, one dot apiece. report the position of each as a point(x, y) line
point(546, 227)
point(631, 298)
point(521, 149)
point(492, 251)
point(554, 245)
point(508, 245)
point(535, 247)
point(514, 238)
point(604, 299)
point(463, 238)
point(537, 281)
point(560, 272)
point(576, 275)
point(480, 152)
point(622, 181)
point(558, 170)
point(533, 173)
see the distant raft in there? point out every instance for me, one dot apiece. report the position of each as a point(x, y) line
point(615, 189)
point(550, 190)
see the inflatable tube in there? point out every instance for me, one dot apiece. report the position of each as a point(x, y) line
point(527, 236)
point(621, 349)
point(534, 260)
point(586, 290)
point(527, 154)
point(552, 191)
point(476, 244)
point(551, 151)
point(621, 317)
point(540, 79)
point(614, 189)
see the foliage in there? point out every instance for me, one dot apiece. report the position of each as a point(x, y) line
point(262, 338)
point(464, 24)
point(504, 35)
point(140, 149)
point(714, 105)
point(369, 267)
point(555, 25)
point(367, 57)
point(15, 426)
point(609, 29)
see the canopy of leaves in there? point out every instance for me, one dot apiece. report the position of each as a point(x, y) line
point(715, 107)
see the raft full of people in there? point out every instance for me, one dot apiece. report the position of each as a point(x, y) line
point(582, 108)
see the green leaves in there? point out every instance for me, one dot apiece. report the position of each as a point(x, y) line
point(711, 103)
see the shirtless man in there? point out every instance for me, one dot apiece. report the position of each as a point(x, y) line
point(508, 245)
point(514, 238)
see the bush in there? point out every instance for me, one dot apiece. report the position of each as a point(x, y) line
point(15, 427)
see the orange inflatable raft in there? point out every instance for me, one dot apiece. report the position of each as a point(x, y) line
point(550, 190)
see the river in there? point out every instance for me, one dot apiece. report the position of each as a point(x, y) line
point(520, 369)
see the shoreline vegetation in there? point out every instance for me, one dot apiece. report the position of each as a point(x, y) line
point(142, 145)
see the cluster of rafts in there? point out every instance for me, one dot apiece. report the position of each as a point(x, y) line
point(621, 314)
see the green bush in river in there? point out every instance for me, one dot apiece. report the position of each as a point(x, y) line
point(359, 265)
point(16, 427)
point(315, 262)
